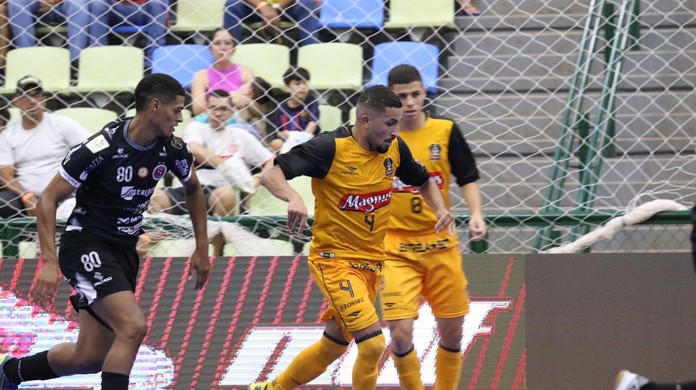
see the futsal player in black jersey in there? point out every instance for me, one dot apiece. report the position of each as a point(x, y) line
point(114, 172)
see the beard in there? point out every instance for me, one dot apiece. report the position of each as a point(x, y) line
point(381, 149)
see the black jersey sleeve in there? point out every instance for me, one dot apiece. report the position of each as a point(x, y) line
point(410, 171)
point(312, 158)
point(461, 159)
point(181, 158)
point(84, 158)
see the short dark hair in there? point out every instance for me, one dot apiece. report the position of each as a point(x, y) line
point(295, 74)
point(218, 93)
point(379, 98)
point(157, 85)
point(403, 74)
point(4, 115)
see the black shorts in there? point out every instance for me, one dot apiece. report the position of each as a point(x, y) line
point(98, 269)
point(178, 198)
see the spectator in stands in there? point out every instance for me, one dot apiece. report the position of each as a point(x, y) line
point(26, 15)
point(297, 114)
point(4, 33)
point(152, 14)
point(31, 150)
point(468, 9)
point(222, 74)
point(222, 153)
point(270, 13)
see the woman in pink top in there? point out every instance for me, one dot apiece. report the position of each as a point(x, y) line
point(222, 74)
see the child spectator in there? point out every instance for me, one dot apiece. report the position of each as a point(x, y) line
point(298, 113)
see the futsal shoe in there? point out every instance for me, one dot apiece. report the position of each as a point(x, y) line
point(5, 383)
point(626, 380)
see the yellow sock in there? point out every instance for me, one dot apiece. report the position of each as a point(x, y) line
point(408, 367)
point(309, 364)
point(448, 369)
point(370, 350)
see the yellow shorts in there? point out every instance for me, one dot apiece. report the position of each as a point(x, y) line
point(427, 266)
point(350, 287)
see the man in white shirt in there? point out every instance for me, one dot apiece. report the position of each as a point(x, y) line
point(31, 150)
point(223, 153)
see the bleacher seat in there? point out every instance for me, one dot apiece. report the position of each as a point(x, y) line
point(423, 56)
point(332, 65)
point(92, 119)
point(49, 64)
point(198, 16)
point(430, 13)
point(352, 14)
point(267, 60)
point(110, 69)
point(181, 61)
point(329, 117)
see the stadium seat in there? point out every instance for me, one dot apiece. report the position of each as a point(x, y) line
point(179, 130)
point(333, 65)
point(267, 60)
point(329, 117)
point(181, 61)
point(198, 16)
point(98, 72)
point(51, 65)
point(92, 119)
point(352, 14)
point(262, 202)
point(423, 56)
point(431, 13)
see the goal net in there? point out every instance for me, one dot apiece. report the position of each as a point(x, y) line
point(549, 136)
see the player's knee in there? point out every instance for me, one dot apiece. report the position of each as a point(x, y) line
point(133, 332)
point(401, 337)
point(372, 346)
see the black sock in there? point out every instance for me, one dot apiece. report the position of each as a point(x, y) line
point(114, 381)
point(29, 368)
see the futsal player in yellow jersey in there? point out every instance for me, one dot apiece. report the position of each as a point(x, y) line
point(420, 261)
point(353, 171)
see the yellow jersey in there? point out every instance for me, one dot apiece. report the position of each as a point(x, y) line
point(353, 191)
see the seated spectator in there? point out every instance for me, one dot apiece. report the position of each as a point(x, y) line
point(305, 13)
point(4, 33)
point(468, 9)
point(298, 113)
point(222, 74)
point(31, 150)
point(222, 153)
point(251, 106)
point(153, 14)
point(25, 15)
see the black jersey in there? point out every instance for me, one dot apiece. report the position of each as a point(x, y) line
point(115, 179)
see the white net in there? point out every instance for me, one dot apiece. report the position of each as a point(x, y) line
point(504, 76)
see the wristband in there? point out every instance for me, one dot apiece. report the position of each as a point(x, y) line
point(260, 5)
point(27, 196)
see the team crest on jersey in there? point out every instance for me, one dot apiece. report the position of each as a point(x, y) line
point(435, 152)
point(142, 172)
point(177, 142)
point(159, 172)
point(388, 167)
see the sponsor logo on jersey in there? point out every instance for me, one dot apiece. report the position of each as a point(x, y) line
point(159, 172)
point(97, 144)
point(424, 247)
point(350, 304)
point(128, 220)
point(376, 267)
point(142, 172)
point(399, 186)
point(128, 192)
point(435, 152)
point(349, 171)
point(327, 255)
point(92, 166)
point(366, 203)
point(183, 167)
point(388, 167)
point(119, 154)
point(70, 152)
